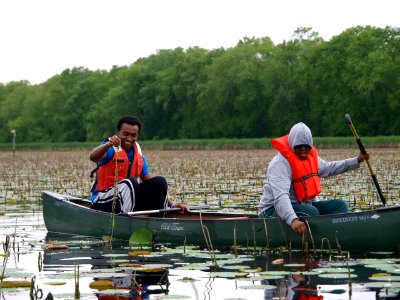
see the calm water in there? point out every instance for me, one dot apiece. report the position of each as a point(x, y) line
point(175, 274)
point(221, 179)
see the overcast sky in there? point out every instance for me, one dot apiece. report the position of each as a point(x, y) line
point(41, 38)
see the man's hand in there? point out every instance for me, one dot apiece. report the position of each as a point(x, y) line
point(114, 141)
point(299, 227)
point(184, 208)
point(362, 157)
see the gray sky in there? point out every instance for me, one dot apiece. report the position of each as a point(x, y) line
point(41, 38)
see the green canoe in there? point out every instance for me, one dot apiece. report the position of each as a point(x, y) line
point(372, 230)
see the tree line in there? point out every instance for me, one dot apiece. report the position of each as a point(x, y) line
point(255, 89)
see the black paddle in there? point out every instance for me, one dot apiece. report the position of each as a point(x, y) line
point(362, 149)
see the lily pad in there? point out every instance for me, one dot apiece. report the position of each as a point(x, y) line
point(143, 236)
point(256, 270)
point(258, 287)
point(139, 252)
point(283, 273)
point(294, 265)
point(306, 273)
point(264, 277)
point(114, 292)
point(5, 284)
point(233, 261)
point(55, 283)
point(337, 275)
point(385, 278)
point(188, 279)
point(115, 255)
point(228, 274)
point(382, 284)
point(235, 267)
point(193, 267)
point(332, 270)
point(102, 284)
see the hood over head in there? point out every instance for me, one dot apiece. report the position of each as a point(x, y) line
point(300, 134)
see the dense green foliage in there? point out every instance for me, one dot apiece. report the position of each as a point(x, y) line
point(255, 89)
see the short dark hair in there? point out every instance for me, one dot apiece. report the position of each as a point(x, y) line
point(130, 120)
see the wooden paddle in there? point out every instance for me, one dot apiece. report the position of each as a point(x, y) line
point(362, 149)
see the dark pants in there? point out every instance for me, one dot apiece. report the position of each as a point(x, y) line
point(333, 206)
point(152, 194)
point(132, 196)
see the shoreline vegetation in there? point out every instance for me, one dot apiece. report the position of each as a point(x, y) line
point(215, 144)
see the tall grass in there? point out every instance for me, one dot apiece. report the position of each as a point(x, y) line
point(222, 143)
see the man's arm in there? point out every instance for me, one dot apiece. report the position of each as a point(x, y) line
point(280, 180)
point(99, 152)
point(146, 177)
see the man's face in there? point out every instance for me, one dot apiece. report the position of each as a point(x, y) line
point(302, 151)
point(128, 134)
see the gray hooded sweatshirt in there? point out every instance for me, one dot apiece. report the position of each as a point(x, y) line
point(278, 189)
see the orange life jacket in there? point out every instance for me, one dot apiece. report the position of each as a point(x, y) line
point(305, 179)
point(310, 297)
point(106, 172)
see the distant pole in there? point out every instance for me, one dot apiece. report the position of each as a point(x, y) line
point(13, 134)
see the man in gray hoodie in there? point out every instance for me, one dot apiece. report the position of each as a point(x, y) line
point(293, 180)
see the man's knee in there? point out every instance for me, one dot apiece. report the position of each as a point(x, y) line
point(341, 206)
point(159, 181)
point(134, 182)
point(305, 210)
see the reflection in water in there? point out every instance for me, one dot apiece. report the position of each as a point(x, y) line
point(98, 260)
point(110, 266)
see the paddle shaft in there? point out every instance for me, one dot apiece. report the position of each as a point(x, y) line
point(154, 211)
point(165, 210)
point(362, 149)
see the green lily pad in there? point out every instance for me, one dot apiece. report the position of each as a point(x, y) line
point(233, 261)
point(337, 275)
point(305, 273)
point(235, 267)
point(228, 274)
point(55, 283)
point(143, 236)
point(342, 264)
point(257, 270)
point(258, 287)
point(385, 278)
point(283, 273)
point(382, 284)
point(371, 261)
point(114, 292)
point(294, 265)
point(193, 267)
point(333, 270)
point(115, 255)
point(187, 279)
point(265, 277)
